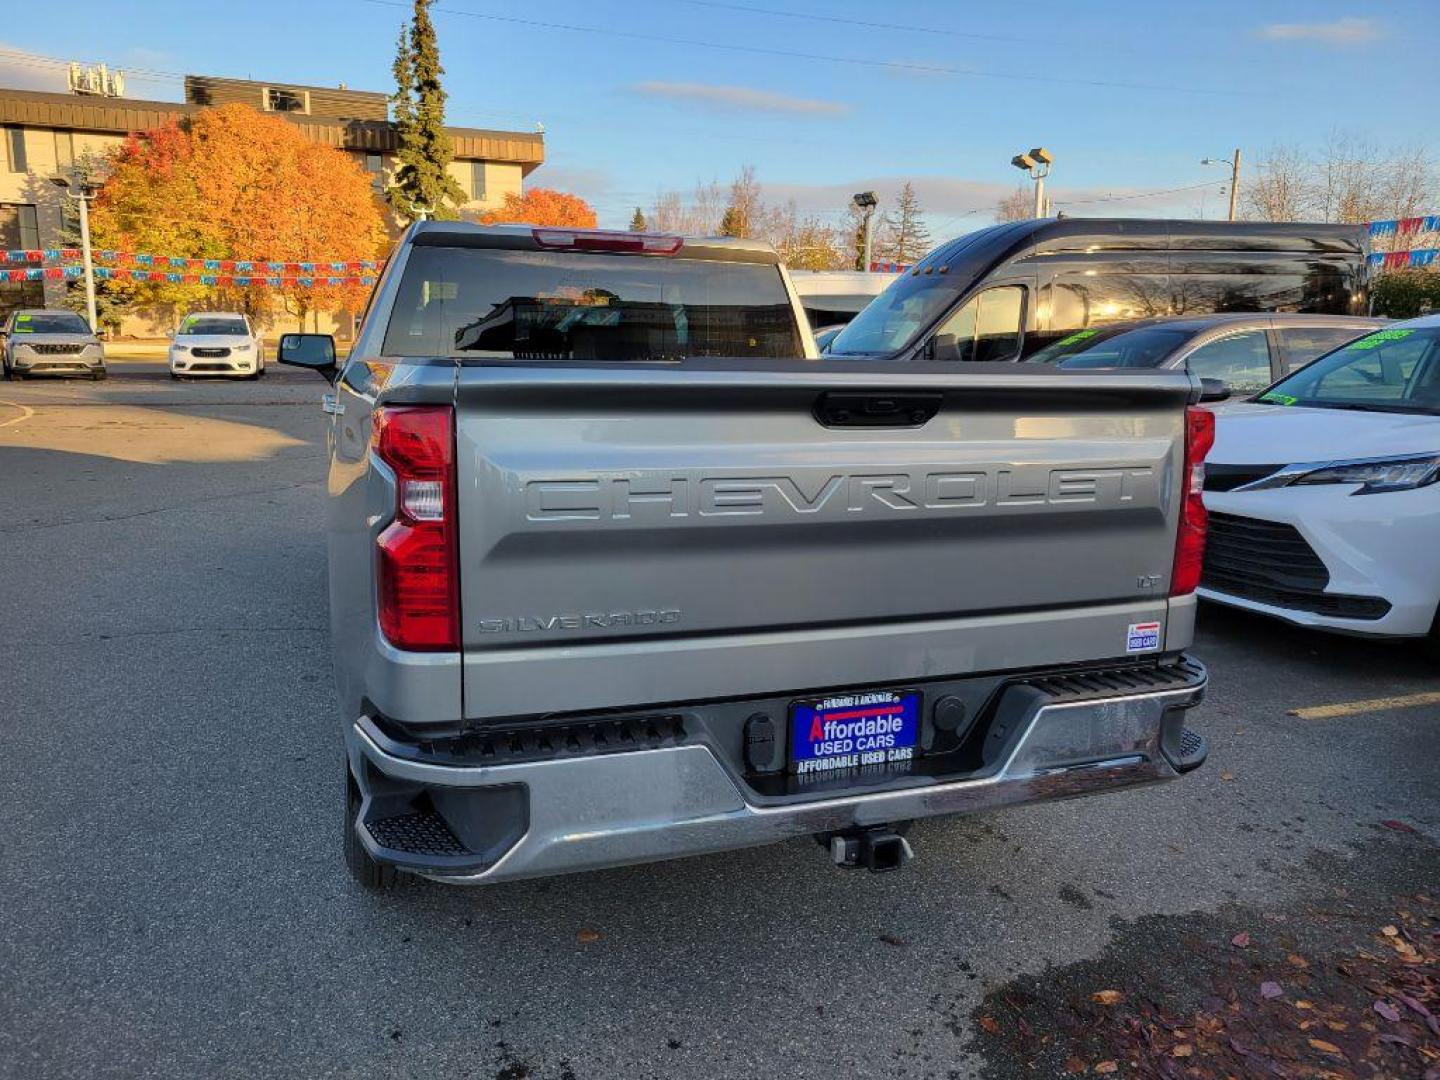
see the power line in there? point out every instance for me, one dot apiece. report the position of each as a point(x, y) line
point(1138, 194)
point(863, 61)
point(849, 22)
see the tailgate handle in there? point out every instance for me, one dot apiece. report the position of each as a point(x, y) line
point(864, 408)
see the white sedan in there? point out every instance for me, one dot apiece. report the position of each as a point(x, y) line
point(216, 343)
point(1323, 495)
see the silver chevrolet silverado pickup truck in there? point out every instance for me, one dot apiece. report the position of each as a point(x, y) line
point(621, 571)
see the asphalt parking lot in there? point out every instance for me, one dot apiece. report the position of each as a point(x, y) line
point(175, 903)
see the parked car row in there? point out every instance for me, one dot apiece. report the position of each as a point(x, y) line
point(41, 341)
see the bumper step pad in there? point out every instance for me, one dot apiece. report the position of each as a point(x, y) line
point(422, 832)
point(1192, 752)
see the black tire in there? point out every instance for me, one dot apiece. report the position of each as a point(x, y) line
point(368, 873)
point(100, 376)
point(1430, 645)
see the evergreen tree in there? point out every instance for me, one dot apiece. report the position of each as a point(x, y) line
point(905, 236)
point(637, 223)
point(732, 222)
point(853, 231)
point(423, 187)
point(110, 307)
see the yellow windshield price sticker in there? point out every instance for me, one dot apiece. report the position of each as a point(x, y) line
point(1077, 337)
point(1279, 399)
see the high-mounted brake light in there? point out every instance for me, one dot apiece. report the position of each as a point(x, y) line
point(591, 240)
point(416, 559)
point(1190, 539)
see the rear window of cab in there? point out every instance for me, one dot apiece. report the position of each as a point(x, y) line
point(502, 304)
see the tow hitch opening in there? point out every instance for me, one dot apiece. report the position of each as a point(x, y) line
point(877, 850)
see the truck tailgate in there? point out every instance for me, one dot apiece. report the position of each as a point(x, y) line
point(635, 534)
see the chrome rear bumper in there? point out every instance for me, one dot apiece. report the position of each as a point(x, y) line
point(587, 813)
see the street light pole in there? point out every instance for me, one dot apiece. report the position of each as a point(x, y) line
point(866, 202)
point(89, 263)
point(1037, 165)
point(1234, 163)
point(83, 193)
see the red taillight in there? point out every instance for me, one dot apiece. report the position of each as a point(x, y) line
point(1190, 540)
point(417, 567)
point(582, 240)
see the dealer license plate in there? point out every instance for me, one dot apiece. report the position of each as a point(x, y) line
point(850, 731)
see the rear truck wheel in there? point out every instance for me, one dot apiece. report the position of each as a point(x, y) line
point(368, 872)
point(99, 375)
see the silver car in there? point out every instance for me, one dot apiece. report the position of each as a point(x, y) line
point(1245, 351)
point(37, 341)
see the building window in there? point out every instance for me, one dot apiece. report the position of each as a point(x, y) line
point(279, 99)
point(477, 181)
point(16, 295)
point(19, 226)
point(15, 149)
point(64, 149)
point(375, 166)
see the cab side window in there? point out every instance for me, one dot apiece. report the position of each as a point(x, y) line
point(1241, 361)
point(988, 326)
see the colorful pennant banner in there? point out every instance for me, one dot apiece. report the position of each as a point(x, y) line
point(1400, 260)
point(182, 263)
point(1401, 226)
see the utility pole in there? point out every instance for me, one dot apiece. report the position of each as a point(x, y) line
point(1234, 182)
point(1234, 163)
point(84, 192)
point(1036, 164)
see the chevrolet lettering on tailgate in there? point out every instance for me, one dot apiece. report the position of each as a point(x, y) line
point(686, 494)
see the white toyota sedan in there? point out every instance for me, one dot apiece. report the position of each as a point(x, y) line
point(216, 343)
point(1323, 495)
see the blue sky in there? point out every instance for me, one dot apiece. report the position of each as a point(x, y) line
point(826, 98)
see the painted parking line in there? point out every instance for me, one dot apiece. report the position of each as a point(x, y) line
point(1353, 708)
point(25, 413)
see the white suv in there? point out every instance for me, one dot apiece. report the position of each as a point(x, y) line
point(216, 343)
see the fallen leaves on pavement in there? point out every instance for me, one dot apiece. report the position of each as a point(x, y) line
point(1371, 1009)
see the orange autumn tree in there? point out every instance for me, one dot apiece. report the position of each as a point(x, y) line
point(543, 206)
point(233, 183)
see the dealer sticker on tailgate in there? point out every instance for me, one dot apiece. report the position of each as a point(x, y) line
point(876, 727)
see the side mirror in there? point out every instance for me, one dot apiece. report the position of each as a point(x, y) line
point(313, 351)
point(1212, 390)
